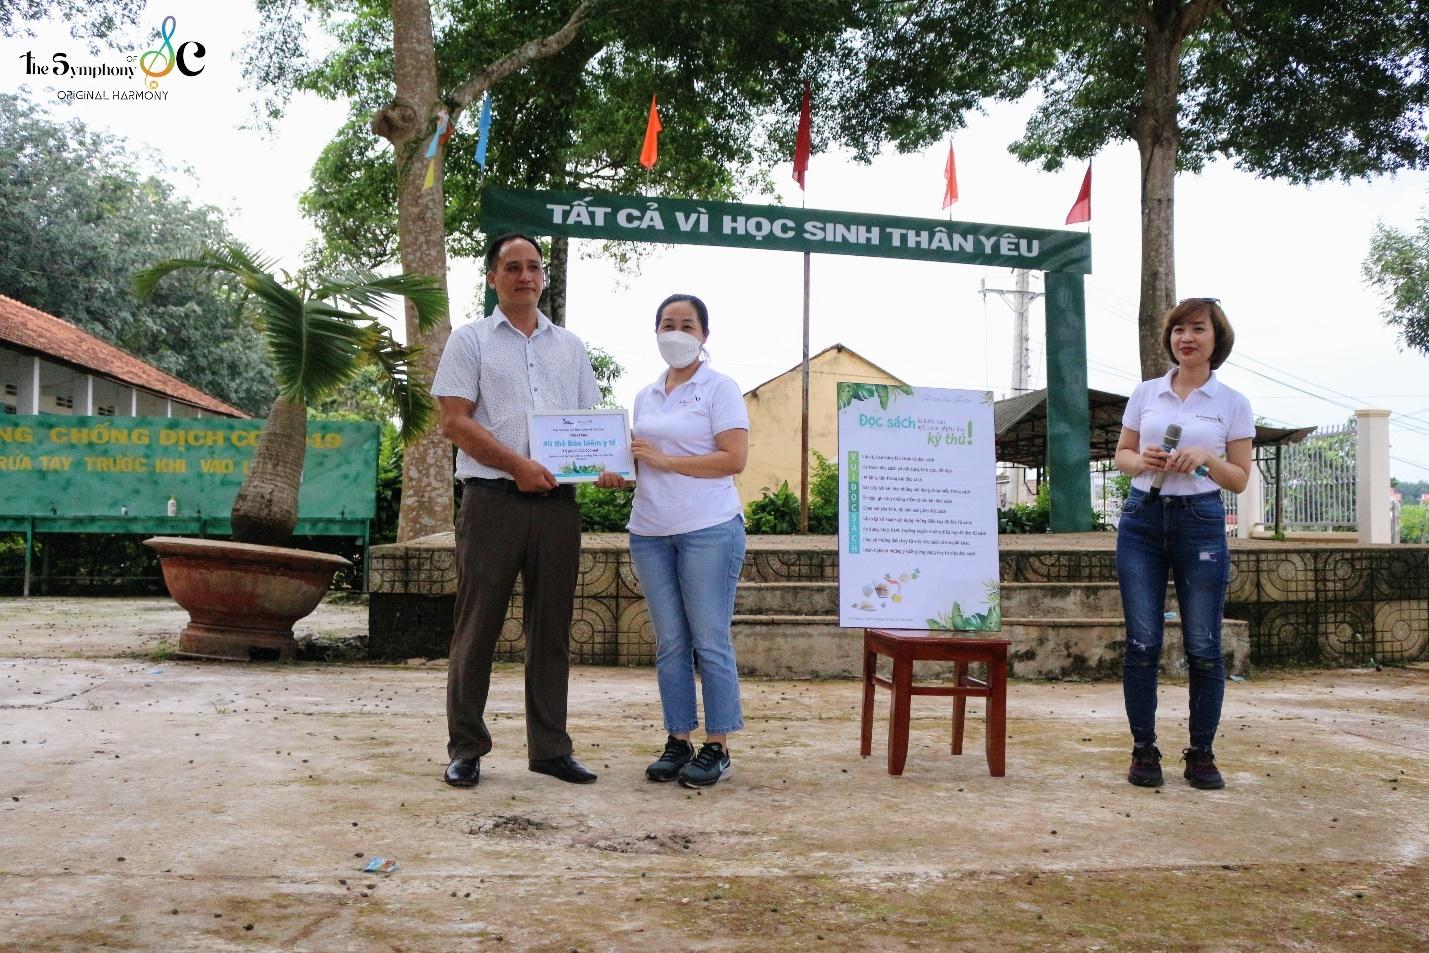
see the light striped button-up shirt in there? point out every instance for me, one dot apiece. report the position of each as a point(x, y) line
point(506, 374)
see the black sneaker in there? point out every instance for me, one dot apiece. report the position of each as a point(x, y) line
point(676, 755)
point(709, 766)
point(1201, 769)
point(1145, 767)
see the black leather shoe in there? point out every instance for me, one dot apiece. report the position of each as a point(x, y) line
point(463, 773)
point(566, 768)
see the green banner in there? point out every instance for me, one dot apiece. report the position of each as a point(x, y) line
point(644, 218)
point(111, 473)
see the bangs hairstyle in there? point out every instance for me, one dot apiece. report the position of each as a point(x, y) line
point(493, 248)
point(701, 311)
point(1193, 309)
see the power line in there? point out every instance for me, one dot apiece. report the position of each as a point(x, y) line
point(1406, 422)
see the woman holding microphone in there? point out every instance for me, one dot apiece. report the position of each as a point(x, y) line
point(1173, 520)
point(690, 436)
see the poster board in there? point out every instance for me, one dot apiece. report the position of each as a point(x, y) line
point(917, 509)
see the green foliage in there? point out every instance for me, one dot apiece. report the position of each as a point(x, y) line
point(1397, 267)
point(322, 330)
point(607, 372)
point(1120, 485)
point(92, 564)
point(728, 73)
point(1414, 524)
point(885, 393)
point(80, 218)
point(1036, 517)
point(602, 510)
point(389, 485)
point(89, 21)
point(823, 496)
point(1411, 489)
point(1283, 88)
point(775, 512)
point(958, 621)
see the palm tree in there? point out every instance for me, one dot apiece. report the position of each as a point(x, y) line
point(321, 331)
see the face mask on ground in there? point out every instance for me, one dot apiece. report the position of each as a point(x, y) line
point(678, 348)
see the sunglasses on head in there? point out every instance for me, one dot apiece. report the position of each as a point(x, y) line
point(1202, 300)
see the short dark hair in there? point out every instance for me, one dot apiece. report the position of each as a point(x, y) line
point(1191, 309)
point(701, 311)
point(493, 247)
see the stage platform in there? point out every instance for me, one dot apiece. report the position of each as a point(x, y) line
point(1288, 604)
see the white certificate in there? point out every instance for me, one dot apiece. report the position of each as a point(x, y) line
point(577, 446)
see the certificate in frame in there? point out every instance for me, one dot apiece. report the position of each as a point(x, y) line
point(577, 446)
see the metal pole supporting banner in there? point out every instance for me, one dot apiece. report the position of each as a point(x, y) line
point(804, 418)
point(1068, 417)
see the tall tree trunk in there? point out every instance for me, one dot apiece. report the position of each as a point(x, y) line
point(266, 508)
point(409, 122)
point(1158, 138)
point(421, 237)
point(555, 297)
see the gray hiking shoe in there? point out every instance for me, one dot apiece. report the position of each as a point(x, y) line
point(676, 755)
point(709, 766)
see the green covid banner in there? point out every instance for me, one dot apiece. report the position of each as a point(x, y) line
point(149, 469)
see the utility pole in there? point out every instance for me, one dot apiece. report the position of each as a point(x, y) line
point(1019, 299)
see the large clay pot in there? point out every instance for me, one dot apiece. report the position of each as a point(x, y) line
point(242, 599)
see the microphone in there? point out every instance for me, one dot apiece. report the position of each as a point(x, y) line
point(1169, 443)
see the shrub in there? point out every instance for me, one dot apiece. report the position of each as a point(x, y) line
point(775, 512)
point(603, 511)
point(824, 496)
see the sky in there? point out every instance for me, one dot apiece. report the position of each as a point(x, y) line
point(1311, 345)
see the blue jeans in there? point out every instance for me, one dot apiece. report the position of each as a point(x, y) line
point(689, 581)
point(1185, 534)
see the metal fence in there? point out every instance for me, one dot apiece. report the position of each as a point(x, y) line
point(1311, 485)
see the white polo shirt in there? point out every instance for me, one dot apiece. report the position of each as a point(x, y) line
point(1211, 416)
point(505, 374)
point(684, 423)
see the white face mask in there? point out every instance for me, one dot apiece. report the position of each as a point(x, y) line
point(678, 348)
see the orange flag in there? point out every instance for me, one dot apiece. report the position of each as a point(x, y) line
point(650, 152)
point(950, 177)
point(1082, 207)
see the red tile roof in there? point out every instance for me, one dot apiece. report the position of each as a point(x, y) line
point(58, 340)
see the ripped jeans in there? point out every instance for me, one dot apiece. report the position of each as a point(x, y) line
point(1185, 535)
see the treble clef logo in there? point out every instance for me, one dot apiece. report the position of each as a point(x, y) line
point(164, 53)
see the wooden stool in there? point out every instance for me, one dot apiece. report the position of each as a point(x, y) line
point(904, 647)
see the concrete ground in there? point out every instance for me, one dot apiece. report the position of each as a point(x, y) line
point(154, 804)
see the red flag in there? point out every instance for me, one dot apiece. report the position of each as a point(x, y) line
point(801, 144)
point(1082, 207)
point(650, 152)
point(950, 176)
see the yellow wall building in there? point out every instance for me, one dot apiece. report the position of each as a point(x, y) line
point(774, 412)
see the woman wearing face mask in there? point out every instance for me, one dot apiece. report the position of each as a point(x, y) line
point(690, 436)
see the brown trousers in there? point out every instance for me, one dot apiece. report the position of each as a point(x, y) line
point(498, 535)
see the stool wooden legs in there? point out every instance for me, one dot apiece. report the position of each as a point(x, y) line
point(960, 705)
point(902, 650)
point(997, 716)
point(902, 697)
